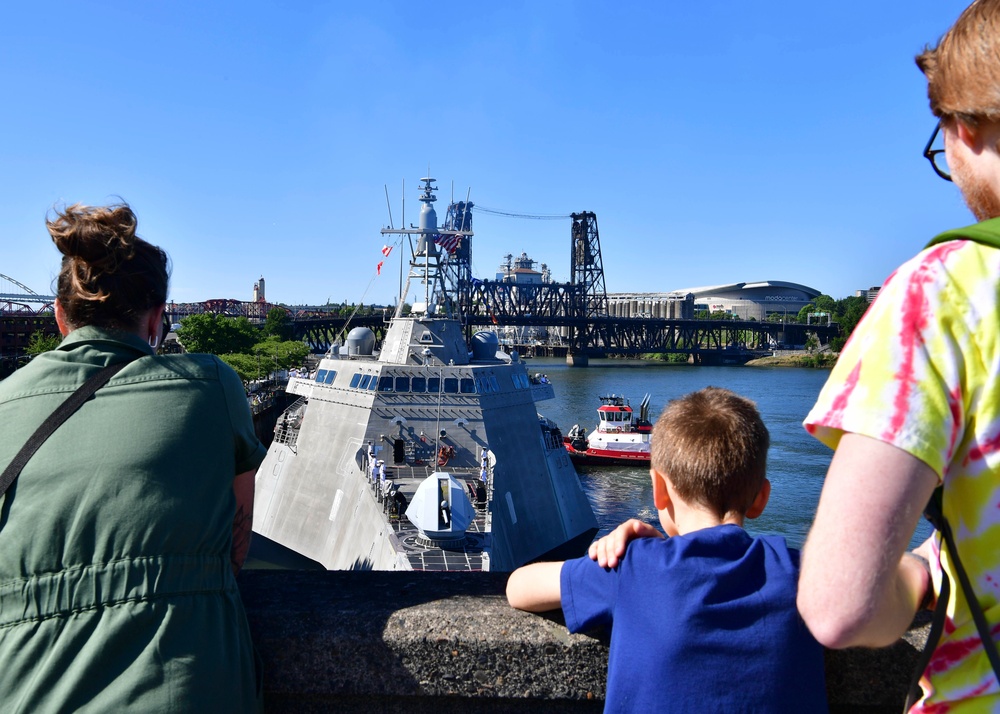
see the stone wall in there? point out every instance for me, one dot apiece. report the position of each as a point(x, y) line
point(441, 642)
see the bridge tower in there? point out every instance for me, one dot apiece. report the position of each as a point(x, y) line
point(590, 296)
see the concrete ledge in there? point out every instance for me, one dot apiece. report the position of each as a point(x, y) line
point(430, 642)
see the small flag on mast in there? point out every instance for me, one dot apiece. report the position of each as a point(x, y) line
point(386, 249)
point(378, 268)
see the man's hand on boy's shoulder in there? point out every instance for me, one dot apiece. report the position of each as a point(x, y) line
point(607, 551)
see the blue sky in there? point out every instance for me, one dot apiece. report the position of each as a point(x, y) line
point(716, 142)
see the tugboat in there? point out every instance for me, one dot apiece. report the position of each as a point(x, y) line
point(618, 439)
point(428, 454)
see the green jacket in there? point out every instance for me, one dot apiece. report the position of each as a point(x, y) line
point(116, 590)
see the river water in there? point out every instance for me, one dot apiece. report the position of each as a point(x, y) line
point(797, 462)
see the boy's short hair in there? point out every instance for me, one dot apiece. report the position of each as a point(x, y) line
point(712, 445)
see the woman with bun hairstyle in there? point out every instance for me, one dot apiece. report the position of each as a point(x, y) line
point(121, 537)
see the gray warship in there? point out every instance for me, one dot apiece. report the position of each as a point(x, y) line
point(428, 454)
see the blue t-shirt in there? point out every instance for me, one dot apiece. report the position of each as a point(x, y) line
point(703, 622)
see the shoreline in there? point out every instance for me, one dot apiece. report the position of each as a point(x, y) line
point(797, 358)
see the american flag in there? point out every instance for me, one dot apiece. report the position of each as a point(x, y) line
point(449, 243)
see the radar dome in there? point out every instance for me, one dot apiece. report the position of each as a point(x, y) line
point(360, 341)
point(485, 345)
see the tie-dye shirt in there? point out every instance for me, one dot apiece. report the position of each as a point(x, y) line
point(922, 372)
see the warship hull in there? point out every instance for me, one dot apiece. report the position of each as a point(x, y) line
point(315, 493)
point(429, 454)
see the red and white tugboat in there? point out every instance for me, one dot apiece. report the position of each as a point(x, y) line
point(618, 438)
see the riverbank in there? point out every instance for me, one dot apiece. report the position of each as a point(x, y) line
point(797, 358)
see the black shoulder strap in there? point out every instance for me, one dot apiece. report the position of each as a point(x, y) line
point(54, 420)
point(933, 637)
point(934, 512)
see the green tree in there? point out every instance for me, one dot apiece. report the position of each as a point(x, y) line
point(278, 324)
point(40, 342)
point(217, 334)
point(278, 354)
point(824, 303)
point(248, 367)
point(849, 313)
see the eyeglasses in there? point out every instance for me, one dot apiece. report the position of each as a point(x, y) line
point(934, 152)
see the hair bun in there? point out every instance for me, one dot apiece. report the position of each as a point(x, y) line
point(102, 236)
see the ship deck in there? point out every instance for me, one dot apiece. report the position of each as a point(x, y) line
point(464, 556)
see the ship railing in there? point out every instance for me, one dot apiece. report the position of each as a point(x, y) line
point(286, 431)
point(552, 440)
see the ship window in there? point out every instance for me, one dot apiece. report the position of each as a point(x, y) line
point(481, 386)
point(516, 379)
point(494, 384)
point(329, 376)
point(426, 337)
point(451, 385)
point(418, 384)
point(434, 384)
point(373, 383)
point(385, 384)
point(356, 380)
point(321, 375)
point(365, 381)
point(402, 384)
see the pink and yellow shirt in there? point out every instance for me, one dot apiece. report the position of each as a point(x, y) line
point(922, 372)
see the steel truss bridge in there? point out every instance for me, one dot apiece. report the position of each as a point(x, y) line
point(709, 341)
point(18, 299)
point(579, 308)
point(253, 311)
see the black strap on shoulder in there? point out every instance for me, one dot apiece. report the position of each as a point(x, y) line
point(54, 420)
point(933, 637)
point(935, 514)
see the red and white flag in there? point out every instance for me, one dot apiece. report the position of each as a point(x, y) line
point(386, 249)
point(378, 268)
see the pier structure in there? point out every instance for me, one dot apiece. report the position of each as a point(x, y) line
point(415, 643)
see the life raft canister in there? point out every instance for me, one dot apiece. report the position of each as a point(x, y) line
point(445, 454)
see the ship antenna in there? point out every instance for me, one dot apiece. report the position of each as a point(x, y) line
point(387, 205)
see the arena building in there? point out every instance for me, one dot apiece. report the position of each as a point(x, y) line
point(744, 301)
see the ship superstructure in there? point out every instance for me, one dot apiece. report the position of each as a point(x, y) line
point(428, 454)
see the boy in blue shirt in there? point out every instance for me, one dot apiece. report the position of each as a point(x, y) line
point(704, 620)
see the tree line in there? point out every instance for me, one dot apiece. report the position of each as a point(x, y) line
point(253, 353)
